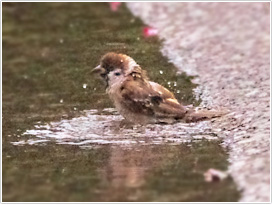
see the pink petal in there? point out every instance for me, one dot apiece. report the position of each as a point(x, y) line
point(114, 6)
point(149, 31)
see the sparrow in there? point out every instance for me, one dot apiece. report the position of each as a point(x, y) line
point(139, 100)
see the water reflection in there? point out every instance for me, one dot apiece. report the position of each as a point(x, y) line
point(107, 172)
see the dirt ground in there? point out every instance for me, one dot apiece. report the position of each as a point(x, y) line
point(227, 46)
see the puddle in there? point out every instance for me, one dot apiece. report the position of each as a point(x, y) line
point(59, 141)
point(92, 158)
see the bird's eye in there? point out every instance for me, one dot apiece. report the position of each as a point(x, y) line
point(117, 74)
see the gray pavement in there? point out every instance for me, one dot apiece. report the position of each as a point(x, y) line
point(227, 46)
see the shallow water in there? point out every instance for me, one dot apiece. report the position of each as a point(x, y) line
point(61, 142)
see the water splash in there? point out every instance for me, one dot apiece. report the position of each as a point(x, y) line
point(105, 127)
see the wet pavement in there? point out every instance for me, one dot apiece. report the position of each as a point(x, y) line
point(63, 141)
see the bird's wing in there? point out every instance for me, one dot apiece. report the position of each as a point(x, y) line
point(150, 98)
point(169, 104)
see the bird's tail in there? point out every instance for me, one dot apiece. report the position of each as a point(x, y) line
point(199, 115)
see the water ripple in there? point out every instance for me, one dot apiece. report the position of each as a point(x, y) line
point(96, 128)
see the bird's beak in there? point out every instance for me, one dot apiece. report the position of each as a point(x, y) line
point(97, 70)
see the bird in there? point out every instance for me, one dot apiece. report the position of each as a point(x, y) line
point(139, 100)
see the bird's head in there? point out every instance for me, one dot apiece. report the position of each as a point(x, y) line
point(115, 67)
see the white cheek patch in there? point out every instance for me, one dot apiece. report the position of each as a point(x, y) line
point(114, 79)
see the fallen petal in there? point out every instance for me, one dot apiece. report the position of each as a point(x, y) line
point(213, 175)
point(114, 6)
point(148, 31)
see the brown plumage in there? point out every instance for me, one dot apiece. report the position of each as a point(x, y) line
point(139, 100)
